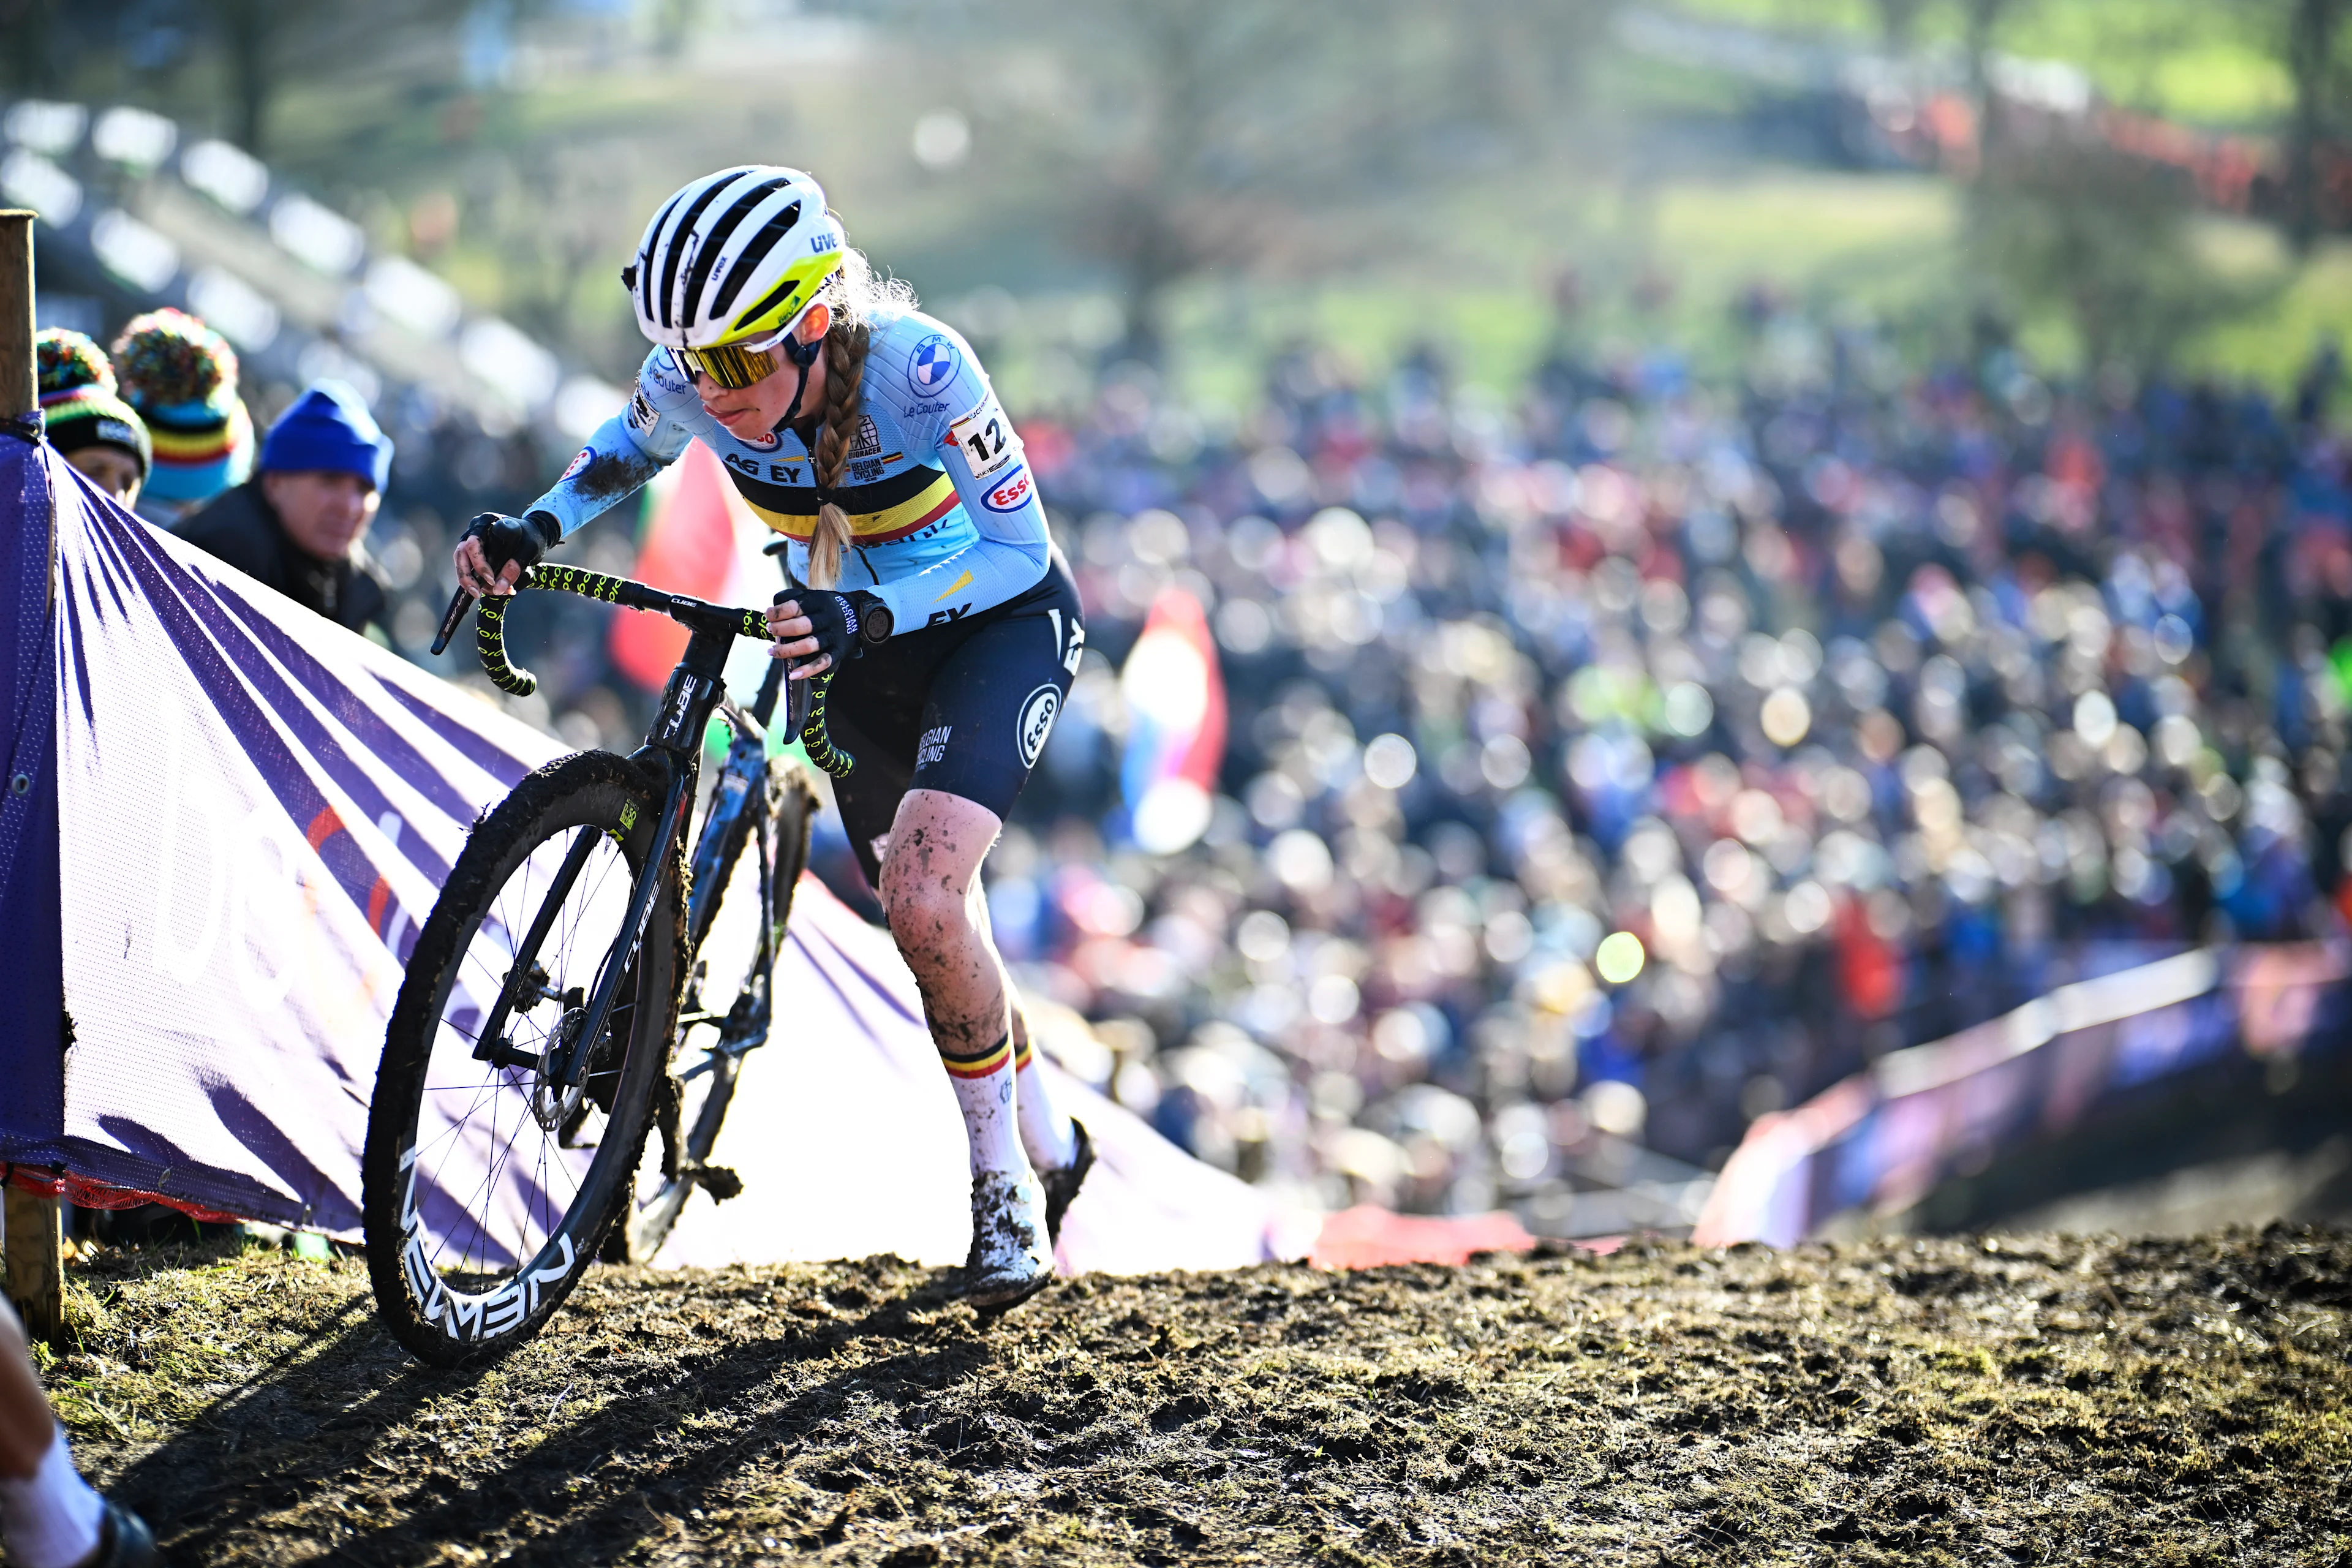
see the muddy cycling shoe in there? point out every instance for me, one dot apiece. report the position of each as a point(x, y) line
point(1063, 1185)
point(124, 1541)
point(1011, 1259)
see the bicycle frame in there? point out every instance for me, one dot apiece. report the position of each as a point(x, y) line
point(672, 753)
point(674, 748)
point(740, 789)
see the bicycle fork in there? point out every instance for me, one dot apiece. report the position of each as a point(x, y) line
point(695, 689)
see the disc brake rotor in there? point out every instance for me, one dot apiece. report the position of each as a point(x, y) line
point(555, 1104)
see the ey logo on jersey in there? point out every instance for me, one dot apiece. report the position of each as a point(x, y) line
point(932, 366)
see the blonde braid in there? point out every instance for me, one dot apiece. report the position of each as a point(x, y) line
point(845, 372)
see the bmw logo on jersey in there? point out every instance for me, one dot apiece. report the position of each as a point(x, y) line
point(932, 365)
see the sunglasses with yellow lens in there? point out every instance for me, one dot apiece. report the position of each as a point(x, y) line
point(738, 365)
point(730, 366)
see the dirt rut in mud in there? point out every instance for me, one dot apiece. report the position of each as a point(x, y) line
point(2058, 1400)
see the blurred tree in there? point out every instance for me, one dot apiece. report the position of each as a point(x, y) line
point(1980, 21)
point(1217, 132)
point(253, 41)
point(1898, 24)
point(2314, 30)
point(2067, 225)
point(1181, 94)
point(29, 26)
point(267, 46)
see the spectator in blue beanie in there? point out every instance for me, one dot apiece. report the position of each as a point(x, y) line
point(299, 524)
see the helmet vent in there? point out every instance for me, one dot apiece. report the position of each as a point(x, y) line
point(679, 235)
point(714, 243)
point(754, 252)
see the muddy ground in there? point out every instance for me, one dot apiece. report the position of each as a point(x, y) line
point(1918, 1402)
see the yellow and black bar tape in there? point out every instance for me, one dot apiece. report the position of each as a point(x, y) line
point(572, 580)
point(491, 643)
point(489, 628)
point(815, 737)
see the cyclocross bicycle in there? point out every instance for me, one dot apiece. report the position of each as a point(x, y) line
point(561, 973)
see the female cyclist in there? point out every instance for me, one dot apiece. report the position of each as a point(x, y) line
point(865, 432)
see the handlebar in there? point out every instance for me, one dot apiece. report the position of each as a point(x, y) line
point(490, 638)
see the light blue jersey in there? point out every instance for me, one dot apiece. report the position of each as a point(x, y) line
point(944, 509)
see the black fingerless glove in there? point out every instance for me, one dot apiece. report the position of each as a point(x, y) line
point(845, 625)
point(521, 538)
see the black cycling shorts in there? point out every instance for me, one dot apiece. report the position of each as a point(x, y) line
point(964, 708)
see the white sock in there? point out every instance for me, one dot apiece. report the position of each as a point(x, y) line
point(983, 1089)
point(1044, 1132)
point(51, 1517)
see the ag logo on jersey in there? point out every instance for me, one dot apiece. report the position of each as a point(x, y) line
point(933, 366)
point(1037, 716)
point(1013, 493)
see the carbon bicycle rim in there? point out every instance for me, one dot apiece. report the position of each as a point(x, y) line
point(728, 1009)
point(488, 1185)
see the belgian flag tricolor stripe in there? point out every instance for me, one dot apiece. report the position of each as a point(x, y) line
point(989, 1061)
point(888, 509)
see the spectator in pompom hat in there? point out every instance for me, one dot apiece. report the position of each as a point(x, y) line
point(297, 524)
point(92, 429)
point(180, 375)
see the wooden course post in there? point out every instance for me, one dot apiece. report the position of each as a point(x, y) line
point(33, 1239)
point(17, 394)
point(36, 1276)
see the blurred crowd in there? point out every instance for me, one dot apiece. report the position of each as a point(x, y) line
point(1614, 765)
point(1605, 767)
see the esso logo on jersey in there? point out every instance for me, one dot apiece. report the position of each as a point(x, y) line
point(1013, 494)
point(1037, 714)
point(587, 456)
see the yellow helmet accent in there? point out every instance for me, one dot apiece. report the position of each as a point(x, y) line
point(789, 299)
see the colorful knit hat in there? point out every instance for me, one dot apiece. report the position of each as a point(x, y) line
point(79, 407)
point(180, 375)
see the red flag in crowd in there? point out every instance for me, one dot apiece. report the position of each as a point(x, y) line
point(688, 548)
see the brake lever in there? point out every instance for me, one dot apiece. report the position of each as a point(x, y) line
point(459, 602)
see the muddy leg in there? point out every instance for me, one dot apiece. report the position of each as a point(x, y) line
point(1045, 1131)
point(930, 891)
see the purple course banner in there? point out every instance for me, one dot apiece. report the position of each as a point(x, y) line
point(255, 810)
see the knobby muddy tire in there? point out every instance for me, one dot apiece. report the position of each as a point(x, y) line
point(587, 789)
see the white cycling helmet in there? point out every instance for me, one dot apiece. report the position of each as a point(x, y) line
point(734, 258)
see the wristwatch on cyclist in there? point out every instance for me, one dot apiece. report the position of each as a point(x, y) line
point(874, 618)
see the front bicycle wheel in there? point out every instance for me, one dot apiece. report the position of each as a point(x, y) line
point(494, 1165)
point(726, 1012)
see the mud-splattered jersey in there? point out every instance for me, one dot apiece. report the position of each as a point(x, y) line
point(943, 507)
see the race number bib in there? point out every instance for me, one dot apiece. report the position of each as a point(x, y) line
point(986, 438)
